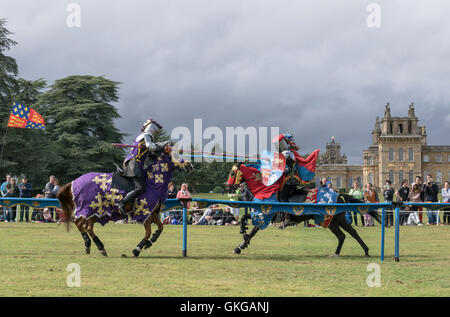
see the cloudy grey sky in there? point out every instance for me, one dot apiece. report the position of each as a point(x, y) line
point(312, 68)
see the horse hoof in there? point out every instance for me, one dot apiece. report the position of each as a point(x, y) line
point(103, 252)
point(124, 255)
point(237, 251)
point(88, 250)
point(136, 252)
point(367, 256)
point(334, 256)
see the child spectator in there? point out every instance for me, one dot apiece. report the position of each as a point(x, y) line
point(184, 193)
point(47, 215)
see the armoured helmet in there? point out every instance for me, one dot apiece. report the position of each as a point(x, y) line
point(151, 127)
point(285, 142)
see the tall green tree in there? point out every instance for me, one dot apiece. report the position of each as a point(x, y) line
point(8, 73)
point(80, 125)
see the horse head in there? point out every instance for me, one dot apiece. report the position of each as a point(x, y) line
point(235, 177)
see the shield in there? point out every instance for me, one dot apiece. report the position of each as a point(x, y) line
point(272, 167)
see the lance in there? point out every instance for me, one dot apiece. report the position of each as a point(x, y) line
point(202, 154)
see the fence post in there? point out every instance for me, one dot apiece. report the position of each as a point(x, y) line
point(184, 202)
point(383, 224)
point(397, 233)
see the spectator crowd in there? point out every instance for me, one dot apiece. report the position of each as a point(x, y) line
point(419, 191)
point(11, 188)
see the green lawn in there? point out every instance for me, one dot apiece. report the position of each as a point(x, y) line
point(290, 262)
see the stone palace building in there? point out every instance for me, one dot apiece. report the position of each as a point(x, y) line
point(398, 151)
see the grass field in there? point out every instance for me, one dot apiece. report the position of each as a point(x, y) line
point(290, 262)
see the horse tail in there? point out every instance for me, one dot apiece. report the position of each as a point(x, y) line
point(67, 205)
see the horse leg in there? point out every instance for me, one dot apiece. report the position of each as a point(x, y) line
point(145, 243)
point(158, 222)
point(345, 225)
point(98, 243)
point(80, 223)
point(339, 235)
point(247, 238)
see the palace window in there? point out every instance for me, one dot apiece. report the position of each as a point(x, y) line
point(439, 177)
point(426, 158)
point(391, 155)
point(391, 176)
point(371, 160)
point(400, 128)
point(400, 177)
point(400, 155)
point(411, 154)
point(439, 158)
point(350, 182)
point(358, 180)
point(371, 178)
point(391, 128)
point(409, 127)
point(338, 182)
point(411, 177)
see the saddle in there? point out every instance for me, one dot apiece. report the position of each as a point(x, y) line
point(122, 183)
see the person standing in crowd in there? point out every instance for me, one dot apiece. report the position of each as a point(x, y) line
point(414, 196)
point(48, 190)
point(4, 192)
point(357, 193)
point(370, 196)
point(25, 189)
point(55, 191)
point(402, 195)
point(388, 198)
point(431, 195)
point(13, 191)
point(446, 199)
point(418, 181)
point(171, 191)
point(56, 187)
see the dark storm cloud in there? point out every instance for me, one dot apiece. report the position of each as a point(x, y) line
point(314, 70)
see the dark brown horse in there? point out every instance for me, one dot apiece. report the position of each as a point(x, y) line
point(241, 173)
point(86, 226)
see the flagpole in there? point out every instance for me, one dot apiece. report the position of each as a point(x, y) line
point(3, 145)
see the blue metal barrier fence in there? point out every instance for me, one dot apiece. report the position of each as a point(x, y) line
point(265, 209)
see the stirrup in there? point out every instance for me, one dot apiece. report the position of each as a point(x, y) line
point(119, 170)
point(121, 207)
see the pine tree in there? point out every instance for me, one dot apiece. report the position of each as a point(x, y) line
point(8, 73)
point(80, 126)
